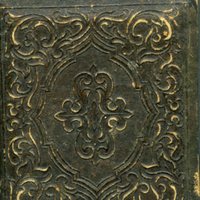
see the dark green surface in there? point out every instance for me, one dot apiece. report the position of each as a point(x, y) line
point(60, 3)
point(97, 170)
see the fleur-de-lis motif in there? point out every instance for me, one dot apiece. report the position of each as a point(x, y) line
point(94, 115)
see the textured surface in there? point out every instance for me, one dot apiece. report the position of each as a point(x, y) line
point(97, 102)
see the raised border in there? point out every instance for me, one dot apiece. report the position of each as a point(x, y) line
point(192, 91)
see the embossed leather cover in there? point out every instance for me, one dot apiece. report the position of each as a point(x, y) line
point(99, 100)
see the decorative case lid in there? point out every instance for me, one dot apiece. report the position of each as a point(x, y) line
point(99, 100)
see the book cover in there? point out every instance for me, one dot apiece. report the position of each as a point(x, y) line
point(99, 100)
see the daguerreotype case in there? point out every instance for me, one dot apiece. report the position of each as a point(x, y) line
point(99, 100)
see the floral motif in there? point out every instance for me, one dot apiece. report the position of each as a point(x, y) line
point(94, 115)
point(144, 44)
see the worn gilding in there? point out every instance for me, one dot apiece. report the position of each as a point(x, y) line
point(96, 103)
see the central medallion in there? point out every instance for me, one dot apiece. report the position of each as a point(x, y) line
point(94, 115)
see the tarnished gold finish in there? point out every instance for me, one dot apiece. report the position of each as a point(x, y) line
point(197, 180)
point(98, 116)
point(96, 103)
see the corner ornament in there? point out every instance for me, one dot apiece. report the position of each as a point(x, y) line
point(93, 115)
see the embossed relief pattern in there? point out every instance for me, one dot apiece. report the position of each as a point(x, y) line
point(98, 115)
point(144, 44)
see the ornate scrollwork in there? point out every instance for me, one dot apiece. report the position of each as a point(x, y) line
point(94, 115)
point(160, 187)
point(23, 152)
point(142, 36)
point(44, 186)
point(143, 44)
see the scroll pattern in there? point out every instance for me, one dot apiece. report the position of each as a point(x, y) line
point(144, 44)
point(98, 116)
